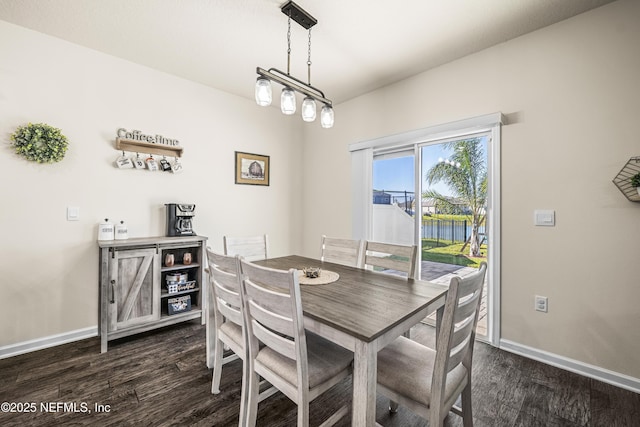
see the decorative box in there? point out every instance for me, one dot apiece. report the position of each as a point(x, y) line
point(173, 288)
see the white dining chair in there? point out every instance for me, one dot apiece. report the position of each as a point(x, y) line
point(390, 258)
point(341, 251)
point(225, 322)
point(251, 248)
point(428, 381)
point(300, 364)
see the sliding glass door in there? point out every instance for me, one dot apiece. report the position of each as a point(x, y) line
point(454, 181)
point(444, 182)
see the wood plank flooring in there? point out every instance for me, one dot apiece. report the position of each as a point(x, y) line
point(160, 379)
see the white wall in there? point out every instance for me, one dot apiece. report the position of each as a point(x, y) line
point(391, 224)
point(49, 266)
point(572, 94)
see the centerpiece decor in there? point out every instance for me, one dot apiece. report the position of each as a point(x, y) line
point(40, 143)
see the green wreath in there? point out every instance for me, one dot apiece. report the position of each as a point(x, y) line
point(40, 143)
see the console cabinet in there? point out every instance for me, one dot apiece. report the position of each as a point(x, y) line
point(134, 296)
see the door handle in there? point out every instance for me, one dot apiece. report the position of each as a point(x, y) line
point(113, 291)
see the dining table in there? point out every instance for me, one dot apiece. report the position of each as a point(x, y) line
point(363, 311)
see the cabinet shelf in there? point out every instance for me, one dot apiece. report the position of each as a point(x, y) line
point(166, 294)
point(180, 267)
point(194, 313)
point(623, 179)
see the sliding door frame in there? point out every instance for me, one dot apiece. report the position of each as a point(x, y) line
point(362, 154)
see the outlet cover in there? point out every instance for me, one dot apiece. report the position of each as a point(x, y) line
point(541, 304)
point(73, 213)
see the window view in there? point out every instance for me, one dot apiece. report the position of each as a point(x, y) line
point(394, 199)
point(453, 210)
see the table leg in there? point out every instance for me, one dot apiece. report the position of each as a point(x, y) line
point(364, 384)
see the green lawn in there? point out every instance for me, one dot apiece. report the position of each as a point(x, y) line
point(449, 253)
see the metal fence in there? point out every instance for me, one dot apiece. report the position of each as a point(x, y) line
point(447, 229)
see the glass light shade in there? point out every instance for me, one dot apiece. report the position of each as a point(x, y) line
point(308, 109)
point(288, 101)
point(263, 92)
point(326, 116)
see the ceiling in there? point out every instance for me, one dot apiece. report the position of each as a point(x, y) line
point(357, 45)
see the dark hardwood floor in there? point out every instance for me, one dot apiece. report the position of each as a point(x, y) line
point(160, 379)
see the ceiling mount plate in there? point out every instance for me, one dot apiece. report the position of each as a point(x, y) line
point(299, 15)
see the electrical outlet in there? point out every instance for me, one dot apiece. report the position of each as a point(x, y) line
point(541, 304)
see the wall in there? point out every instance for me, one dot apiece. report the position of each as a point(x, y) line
point(391, 224)
point(572, 96)
point(49, 266)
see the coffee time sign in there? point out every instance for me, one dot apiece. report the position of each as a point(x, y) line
point(138, 142)
point(136, 135)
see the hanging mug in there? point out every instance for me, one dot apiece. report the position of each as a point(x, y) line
point(169, 260)
point(123, 162)
point(138, 162)
point(152, 165)
point(176, 166)
point(186, 259)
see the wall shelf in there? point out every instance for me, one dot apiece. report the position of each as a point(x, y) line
point(623, 179)
point(135, 146)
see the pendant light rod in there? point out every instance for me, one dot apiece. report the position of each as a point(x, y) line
point(287, 80)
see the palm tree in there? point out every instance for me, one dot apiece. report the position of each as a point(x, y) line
point(466, 175)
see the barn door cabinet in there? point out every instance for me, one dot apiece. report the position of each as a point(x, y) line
point(134, 296)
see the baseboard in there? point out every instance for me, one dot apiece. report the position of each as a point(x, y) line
point(610, 377)
point(46, 342)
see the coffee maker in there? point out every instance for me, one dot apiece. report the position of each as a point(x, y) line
point(179, 219)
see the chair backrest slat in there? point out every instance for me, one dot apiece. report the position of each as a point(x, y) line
point(388, 256)
point(281, 323)
point(229, 312)
point(251, 248)
point(341, 251)
point(282, 345)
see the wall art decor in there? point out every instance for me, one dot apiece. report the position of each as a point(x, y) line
point(252, 169)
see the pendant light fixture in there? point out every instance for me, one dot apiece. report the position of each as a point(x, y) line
point(292, 84)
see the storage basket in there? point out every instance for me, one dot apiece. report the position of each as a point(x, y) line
point(178, 304)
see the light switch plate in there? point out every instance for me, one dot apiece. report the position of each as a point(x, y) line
point(544, 218)
point(73, 213)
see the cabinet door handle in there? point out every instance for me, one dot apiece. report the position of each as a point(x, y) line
point(113, 291)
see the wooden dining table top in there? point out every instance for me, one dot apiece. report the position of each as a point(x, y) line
point(362, 303)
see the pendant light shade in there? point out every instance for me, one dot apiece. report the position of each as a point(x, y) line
point(288, 101)
point(308, 109)
point(326, 116)
point(263, 92)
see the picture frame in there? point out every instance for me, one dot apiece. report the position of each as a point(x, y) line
point(252, 169)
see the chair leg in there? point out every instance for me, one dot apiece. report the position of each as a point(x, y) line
point(467, 413)
point(217, 368)
point(244, 394)
point(393, 407)
point(303, 412)
point(250, 412)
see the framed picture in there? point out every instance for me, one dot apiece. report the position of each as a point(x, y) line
point(252, 169)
